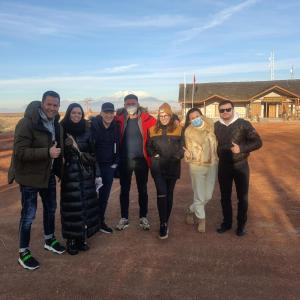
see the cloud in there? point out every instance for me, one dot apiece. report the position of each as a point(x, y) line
point(123, 93)
point(120, 69)
point(216, 20)
point(145, 75)
point(28, 21)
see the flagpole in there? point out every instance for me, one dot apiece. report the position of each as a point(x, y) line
point(184, 93)
point(193, 91)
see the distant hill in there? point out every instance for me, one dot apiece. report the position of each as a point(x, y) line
point(152, 103)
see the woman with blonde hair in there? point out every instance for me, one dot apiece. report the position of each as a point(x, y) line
point(201, 155)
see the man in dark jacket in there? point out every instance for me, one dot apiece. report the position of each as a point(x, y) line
point(35, 162)
point(134, 123)
point(236, 138)
point(106, 134)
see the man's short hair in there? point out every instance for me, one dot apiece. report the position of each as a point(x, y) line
point(223, 102)
point(131, 96)
point(51, 94)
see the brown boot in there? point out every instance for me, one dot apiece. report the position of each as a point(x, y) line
point(189, 217)
point(201, 225)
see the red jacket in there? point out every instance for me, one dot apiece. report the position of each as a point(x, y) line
point(145, 121)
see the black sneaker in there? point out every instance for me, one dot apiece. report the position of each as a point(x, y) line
point(105, 229)
point(163, 231)
point(27, 261)
point(241, 231)
point(54, 246)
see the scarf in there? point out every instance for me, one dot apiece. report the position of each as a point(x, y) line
point(48, 124)
point(75, 129)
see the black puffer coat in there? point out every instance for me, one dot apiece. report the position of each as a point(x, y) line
point(79, 203)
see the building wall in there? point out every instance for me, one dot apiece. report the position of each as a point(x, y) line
point(271, 105)
point(241, 110)
point(212, 110)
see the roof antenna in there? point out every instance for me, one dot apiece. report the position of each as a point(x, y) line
point(292, 72)
point(272, 64)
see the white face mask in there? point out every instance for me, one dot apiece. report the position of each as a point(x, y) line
point(132, 109)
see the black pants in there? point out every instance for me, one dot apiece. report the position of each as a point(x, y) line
point(140, 168)
point(164, 187)
point(107, 174)
point(239, 173)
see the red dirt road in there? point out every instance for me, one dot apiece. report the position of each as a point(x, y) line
point(265, 264)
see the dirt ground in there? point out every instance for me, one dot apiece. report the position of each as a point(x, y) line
point(264, 264)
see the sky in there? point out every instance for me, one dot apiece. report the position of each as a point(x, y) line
point(91, 49)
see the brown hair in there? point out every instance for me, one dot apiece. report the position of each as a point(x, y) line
point(223, 102)
point(187, 118)
point(170, 127)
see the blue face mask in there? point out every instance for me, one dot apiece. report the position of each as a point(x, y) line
point(197, 122)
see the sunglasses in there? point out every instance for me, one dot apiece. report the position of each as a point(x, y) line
point(222, 110)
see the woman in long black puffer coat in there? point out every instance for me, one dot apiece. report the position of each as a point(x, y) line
point(79, 204)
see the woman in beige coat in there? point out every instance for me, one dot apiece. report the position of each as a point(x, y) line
point(201, 154)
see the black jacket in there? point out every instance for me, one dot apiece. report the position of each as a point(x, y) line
point(166, 151)
point(242, 133)
point(107, 141)
point(79, 203)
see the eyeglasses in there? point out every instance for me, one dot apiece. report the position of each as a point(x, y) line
point(164, 116)
point(222, 110)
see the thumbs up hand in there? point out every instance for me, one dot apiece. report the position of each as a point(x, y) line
point(235, 148)
point(54, 151)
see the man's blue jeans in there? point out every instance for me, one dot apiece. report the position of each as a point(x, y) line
point(29, 207)
point(107, 174)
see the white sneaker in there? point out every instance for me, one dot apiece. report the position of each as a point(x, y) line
point(123, 224)
point(144, 223)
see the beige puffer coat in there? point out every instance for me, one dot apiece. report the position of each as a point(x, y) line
point(201, 144)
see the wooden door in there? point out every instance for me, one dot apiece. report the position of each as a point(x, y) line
point(255, 109)
point(272, 110)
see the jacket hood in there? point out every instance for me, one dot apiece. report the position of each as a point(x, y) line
point(235, 117)
point(208, 123)
point(32, 109)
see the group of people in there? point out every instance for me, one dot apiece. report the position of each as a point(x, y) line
point(86, 156)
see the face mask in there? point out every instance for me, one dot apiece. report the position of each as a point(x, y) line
point(197, 122)
point(132, 109)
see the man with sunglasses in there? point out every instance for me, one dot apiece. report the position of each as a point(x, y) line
point(236, 139)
